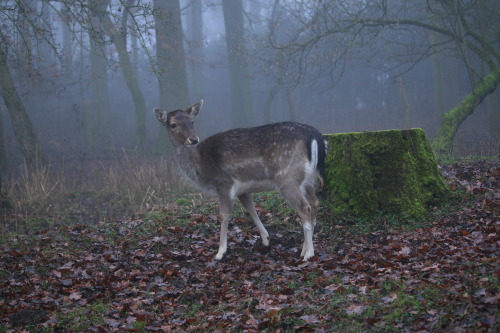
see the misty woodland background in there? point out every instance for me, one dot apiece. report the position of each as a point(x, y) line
point(98, 233)
point(87, 74)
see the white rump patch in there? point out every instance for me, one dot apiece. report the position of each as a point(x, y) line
point(310, 167)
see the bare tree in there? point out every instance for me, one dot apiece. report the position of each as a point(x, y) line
point(3, 156)
point(119, 39)
point(238, 68)
point(97, 116)
point(21, 123)
point(171, 67)
point(277, 64)
point(67, 46)
point(32, 33)
point(329, 33)
point(196, 45)
point(170, 64)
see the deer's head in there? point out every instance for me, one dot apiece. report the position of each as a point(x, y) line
point(180, 123)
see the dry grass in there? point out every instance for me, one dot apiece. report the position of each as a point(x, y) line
point(87, 192)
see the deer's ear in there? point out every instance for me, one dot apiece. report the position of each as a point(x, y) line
point(193, 111)
point(161, 115)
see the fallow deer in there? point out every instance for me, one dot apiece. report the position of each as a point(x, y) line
point(287, 156)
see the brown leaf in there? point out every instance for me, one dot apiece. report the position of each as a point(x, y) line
point(75, 296)
point(112, 322)
point(66, 282)
point(310, 319)
point(355, 309)
point(391, 298)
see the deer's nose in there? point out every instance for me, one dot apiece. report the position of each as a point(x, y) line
point(192, 140)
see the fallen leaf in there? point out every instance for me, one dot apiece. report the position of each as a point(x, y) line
point(355, 309)
point(75, 296)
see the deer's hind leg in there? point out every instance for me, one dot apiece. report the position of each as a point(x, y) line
point(312, 199)
point(295, 196)
point(247, 202)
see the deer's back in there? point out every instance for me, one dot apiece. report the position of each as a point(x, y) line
point(258, 153)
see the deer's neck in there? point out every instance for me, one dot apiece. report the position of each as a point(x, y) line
point(188, 161)
point(189, 164)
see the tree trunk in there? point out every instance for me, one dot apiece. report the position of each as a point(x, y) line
point(26, 50)
point(82, 110)
point(3, 156)
point(45, 50)
point(452, 119)
point(404, 100)
point(494, 117)
point(119, 41)
point(21, 124)
point(133, 34)
point(97, 116)
point(196, 46)
point(171, 66)
point(385, 172)
point(68, 48)
point(135, 52)
point(97, 119)
point(171, 56)
point(271, 94)
point(241, 95)
point(290, 104)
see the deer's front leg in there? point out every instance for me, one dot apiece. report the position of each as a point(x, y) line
point(247, 201)
point(226, 206)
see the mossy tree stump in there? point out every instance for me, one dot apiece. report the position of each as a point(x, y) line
point(390, 172)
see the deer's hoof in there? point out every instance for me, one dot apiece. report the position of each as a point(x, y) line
point(307, 257)
point(307, 254)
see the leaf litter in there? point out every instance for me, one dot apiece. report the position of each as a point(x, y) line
point(159, 274)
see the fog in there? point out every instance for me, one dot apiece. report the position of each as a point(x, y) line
point(268, 61)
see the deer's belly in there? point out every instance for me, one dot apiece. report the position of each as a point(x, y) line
point(241, 187)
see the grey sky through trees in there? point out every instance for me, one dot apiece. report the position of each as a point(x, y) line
point(339, 66)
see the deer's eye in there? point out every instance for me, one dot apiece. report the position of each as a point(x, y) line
point(173, 125)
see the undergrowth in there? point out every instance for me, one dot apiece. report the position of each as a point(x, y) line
point(45, 196)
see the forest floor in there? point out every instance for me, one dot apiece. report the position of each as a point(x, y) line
point(156, 272)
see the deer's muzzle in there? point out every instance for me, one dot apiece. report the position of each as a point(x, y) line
point(192, 140)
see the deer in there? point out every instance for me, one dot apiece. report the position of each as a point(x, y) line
point(287, 156)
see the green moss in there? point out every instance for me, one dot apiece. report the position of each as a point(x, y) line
point(391, 171)
point(452, 119)
point(183, 202)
